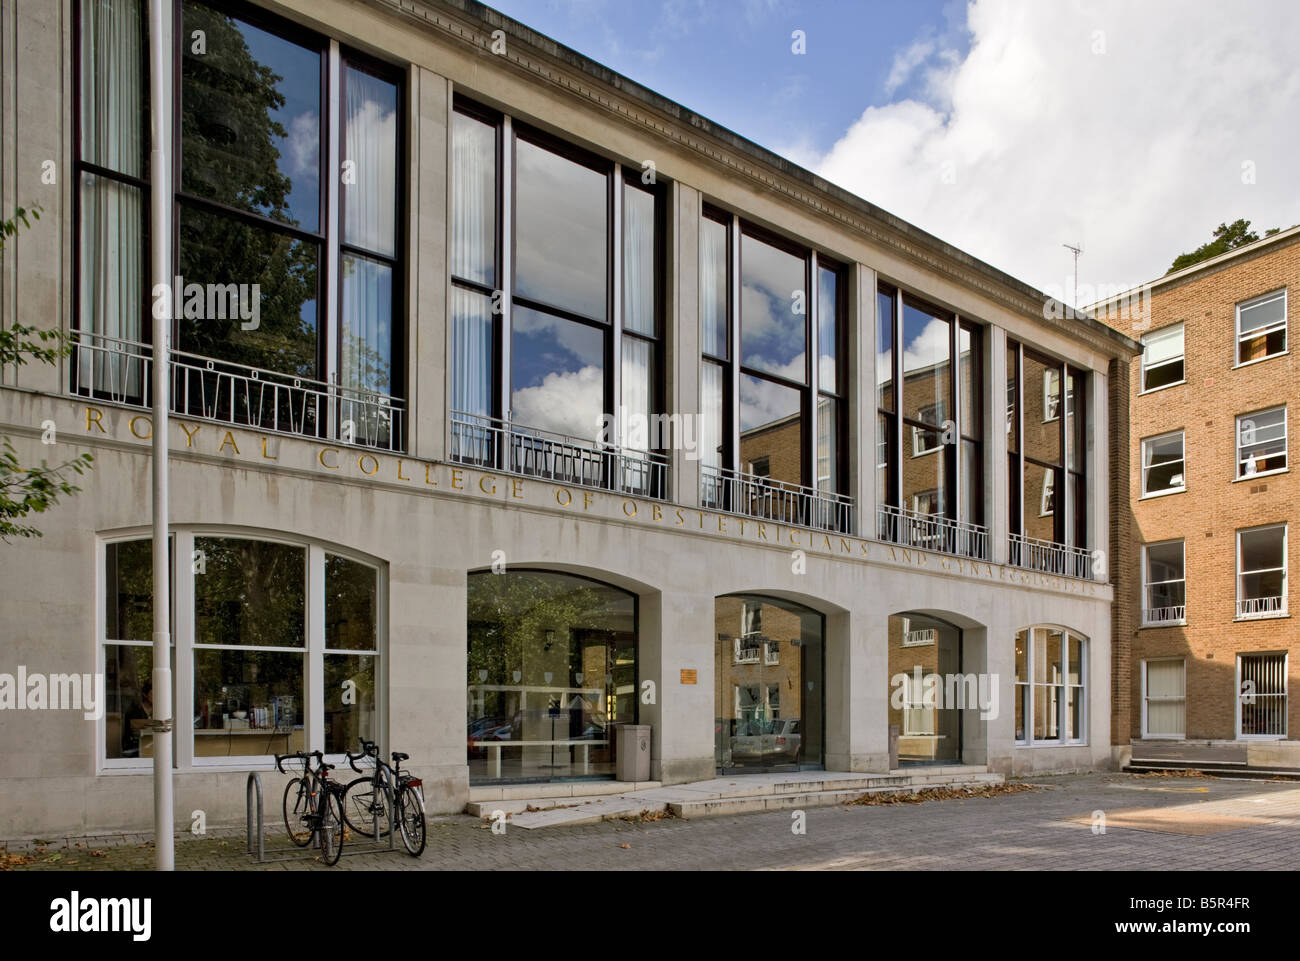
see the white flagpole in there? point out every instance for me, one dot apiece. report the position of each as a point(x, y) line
point(160, 81)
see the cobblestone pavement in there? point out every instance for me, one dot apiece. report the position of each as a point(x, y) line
point(1159, 823)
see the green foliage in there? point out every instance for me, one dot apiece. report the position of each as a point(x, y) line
point(1226, 237)
point(30, 490)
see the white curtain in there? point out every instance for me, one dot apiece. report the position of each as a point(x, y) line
point(713, 281)
point(473, 201)
point(370, 142)
point(637, 364)
point(112, 213)
point(471, 352)
point(1166, 701)
point(366, 352)
point(638, 261)
point(711, 415)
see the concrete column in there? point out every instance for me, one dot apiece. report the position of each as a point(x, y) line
point(974, 728)
point(426, 665)
point(999, 651)
point(996, 491)
point(428, 334)
point(36, 264)
point(1097, 465)
point(682, 338)
point(857, 691)
point(677, 634)
point(862, 399)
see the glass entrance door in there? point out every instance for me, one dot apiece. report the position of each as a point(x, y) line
point(768, 685)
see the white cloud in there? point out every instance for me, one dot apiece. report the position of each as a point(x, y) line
point(568, 403)
point(905, 61)
point(1033, 139)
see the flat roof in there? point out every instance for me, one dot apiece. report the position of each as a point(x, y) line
point(496, 20)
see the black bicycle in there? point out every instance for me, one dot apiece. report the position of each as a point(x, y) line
point(313, 805)
point(372, 803)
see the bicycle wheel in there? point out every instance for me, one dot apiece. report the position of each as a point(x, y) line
point(364, 798)
point(298, 811)
point(331, 828)
point(410, 820)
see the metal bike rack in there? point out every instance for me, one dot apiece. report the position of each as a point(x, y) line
point(254, 818)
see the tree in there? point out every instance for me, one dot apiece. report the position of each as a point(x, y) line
point(28, 490)
point(1226, 237)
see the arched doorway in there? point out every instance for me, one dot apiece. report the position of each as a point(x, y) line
point(928, 691)
point(768, 680)
point(552, 670)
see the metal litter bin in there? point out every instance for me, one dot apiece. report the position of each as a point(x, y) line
point(632, 752)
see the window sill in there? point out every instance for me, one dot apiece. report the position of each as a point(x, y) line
point(1155, 494)
point(1144, 626)
point(1280, 615)
point(1260, 360)
point(1051, 744)
point(1163, 737)
point(1262, 737)
point(1156, 390)
point(1266, 473)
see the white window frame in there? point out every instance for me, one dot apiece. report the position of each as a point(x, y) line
point(1147, 584)
point(313, 651)
point(1063, 685)
point(1144, 468)
point(1285, 695)
point(1182, 357)
point(1262, 331)
point(1051, 405)
point(1286, 444)
point(1262, 615)
point(1146, 733)
point(919, 432)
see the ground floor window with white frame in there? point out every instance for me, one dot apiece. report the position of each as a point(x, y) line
point(1261, 695)
point(1164, 698)
point(285, 652)
point(1050, 687)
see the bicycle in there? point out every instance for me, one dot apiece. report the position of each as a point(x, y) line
point(373, 802)
point(314, 805)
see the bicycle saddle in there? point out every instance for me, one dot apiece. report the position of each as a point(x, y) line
point(399, 756)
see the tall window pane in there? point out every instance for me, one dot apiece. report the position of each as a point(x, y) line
point(638, 394)
point(771, 431)
point(711, 407)
point(827, 330)
point(827, 444)
point(1042, 397)
point(113, 96)
point(557, 379)
point(111, 269)
point(473, 199)
point(471, 352)
point(773, 308)
point(926, 357)
point(885, 349)
point(561, 223)
point(251, 119)
point(713, 288)
point(366, 351)
point(370, 162)
point(249, 593)
point(638, 261)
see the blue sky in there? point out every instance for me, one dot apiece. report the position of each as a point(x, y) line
point(1008, 128)
point(732, 61)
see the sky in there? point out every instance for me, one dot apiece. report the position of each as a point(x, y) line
point(1008, 128)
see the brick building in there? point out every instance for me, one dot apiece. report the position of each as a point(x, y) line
point(1202, 601)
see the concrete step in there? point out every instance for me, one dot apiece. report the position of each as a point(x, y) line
point(1215, 769)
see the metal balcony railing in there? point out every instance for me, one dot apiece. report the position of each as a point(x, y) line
point(496, 444)
point(931, 532)
point(1050, 557)
point(1164, 604)
point(734, 492)
point(1261, 606)
point(121, 371)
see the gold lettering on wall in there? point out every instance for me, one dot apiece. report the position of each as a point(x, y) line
point(626, 505)
point(189, 434)
point(228, 439)
point(457, 479)
point(136, 433)
point(400, 475)
point(563, 497)
point(267, 455)
point(93, 415)
point(431, 483)
point(516, 488)
point(486, 490)
point(320, 456)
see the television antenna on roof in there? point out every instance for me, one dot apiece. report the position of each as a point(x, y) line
point(1075, 249)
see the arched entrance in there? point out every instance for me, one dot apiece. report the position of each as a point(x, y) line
point(552, 670)
point(770, 698)
point(929, 693)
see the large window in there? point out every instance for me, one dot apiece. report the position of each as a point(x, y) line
point(1261, 442)
point(556, 341)
point(552, 670)
point(1163, 364)
point(287, 314)
point(1163, 471)
point(773, 416)
point(930, 467)
point(276, 664)
point(1164, 698)
point(1047, 462)
point(1051, 679)
point(1261, 695)
point(1164, 584)
point(1261, 327)
point(1261, 572)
